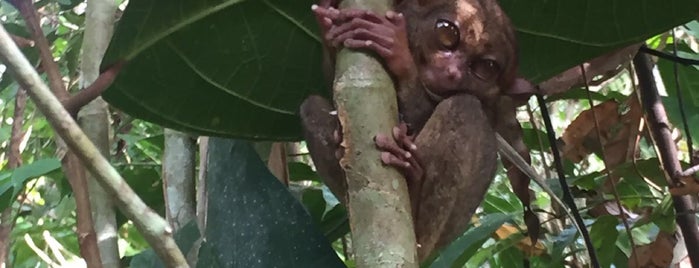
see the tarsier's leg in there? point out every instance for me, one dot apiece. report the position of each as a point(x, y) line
point(320, 130)
point(507, 125)
point(457, 152)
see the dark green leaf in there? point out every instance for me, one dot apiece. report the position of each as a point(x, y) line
point(604, 234)
point(145, 181)
point(315, 203)
point(335, 223)
point(241, 68)
point(302, 172)
point(245, 66)
point(556, 35)
point(253, 221)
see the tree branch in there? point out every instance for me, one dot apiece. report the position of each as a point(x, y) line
point(378, 201)
point(662, 137)
point(154, 228)
point(85, 96)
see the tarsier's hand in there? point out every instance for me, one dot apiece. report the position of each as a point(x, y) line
point(360, 29)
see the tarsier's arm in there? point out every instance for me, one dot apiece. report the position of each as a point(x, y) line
point(508, 127)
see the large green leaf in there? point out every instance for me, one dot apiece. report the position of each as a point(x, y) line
point(253, 220)
point(240, 68)
point(232, 68)
point(556, 35)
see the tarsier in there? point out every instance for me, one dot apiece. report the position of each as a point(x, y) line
point(454, 65)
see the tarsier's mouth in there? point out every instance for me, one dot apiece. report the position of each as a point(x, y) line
point(438, 97)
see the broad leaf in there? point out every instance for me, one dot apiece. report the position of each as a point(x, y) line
point(232, 68)
point(556, 35)
point(604, 235)
point(240, 68)
point(253, 221)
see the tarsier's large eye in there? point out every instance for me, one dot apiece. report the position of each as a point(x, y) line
point(485, 69)
point(447, 34)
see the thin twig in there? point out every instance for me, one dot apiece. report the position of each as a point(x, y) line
point(608, 172)
point(567, 196)
point(669, 57)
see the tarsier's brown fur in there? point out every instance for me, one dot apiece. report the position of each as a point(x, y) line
point(454, 133)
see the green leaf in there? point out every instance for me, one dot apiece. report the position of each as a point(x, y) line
point(240, 68)
point(302, 172)
point(146, 182)
point(335, 223)
point(473, 238)
point(663, 215)
point(14, 179)
point(244, 66)
point(315, 203)
point(253, 221)
point(604, 235)
point(556, 35)
point(688, 78)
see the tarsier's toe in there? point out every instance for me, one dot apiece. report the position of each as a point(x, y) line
point(400, 134)
point(384, 143)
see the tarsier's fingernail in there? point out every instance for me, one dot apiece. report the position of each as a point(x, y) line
point(333, 112)
point(367, 42)
point(407, 164)
point(408, 155)
point(390, 14)
point(314, 7)
point(413, 147)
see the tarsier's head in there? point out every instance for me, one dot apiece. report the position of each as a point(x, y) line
point(462, 45)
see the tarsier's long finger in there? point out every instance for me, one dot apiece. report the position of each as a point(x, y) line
point(360, 23)
point(396, 18)
point(377, 34)
point(349, 14)
point(353, 43)
point(384, 143)
point(324, 12)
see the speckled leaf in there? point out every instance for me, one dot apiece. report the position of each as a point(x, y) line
point(240, 68)
point(253, 221)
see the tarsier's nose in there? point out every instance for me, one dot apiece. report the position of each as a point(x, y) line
point(453, 73)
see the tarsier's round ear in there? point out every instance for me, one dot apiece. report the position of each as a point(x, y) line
point(521, 89)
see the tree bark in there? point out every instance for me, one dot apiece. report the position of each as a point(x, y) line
point(378, 201)
point(178, 178)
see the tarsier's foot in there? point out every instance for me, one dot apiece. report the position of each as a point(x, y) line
point(360, 29)
point(401, 154)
